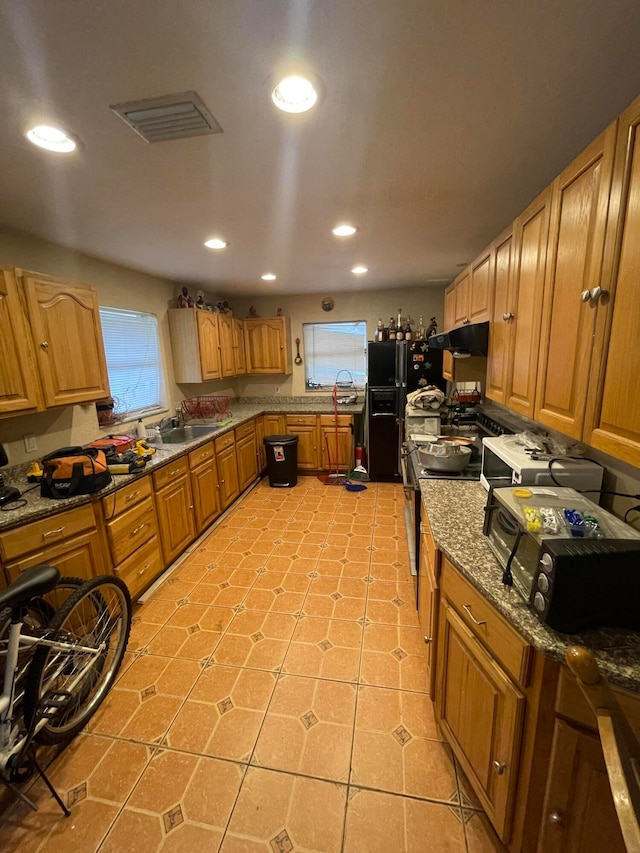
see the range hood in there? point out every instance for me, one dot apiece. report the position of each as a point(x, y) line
point(466, 340)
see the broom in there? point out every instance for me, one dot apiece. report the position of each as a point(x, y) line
point(333, 478)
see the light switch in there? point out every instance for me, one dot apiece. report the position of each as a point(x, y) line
point(30, 443)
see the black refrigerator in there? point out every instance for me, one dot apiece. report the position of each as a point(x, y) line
point(394, 369)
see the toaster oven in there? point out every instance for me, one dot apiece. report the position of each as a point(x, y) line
point(577, 565)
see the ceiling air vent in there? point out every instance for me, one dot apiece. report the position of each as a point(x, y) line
point(168, 117)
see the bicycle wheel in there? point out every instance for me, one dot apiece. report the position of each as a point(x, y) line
point(68, 686)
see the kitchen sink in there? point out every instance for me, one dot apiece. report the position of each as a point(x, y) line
point(184, 434)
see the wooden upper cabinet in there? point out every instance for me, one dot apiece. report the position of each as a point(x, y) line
point(65, 323)
point(19, 383)
point(268, 345)
point(531, 230)
point(462, 299)
point(613, 416)
point(574, 268)
point(227, 360)
point(480, 288)
point(195, 344)
point(239, 360)
point(449, 323)
point(498, 358)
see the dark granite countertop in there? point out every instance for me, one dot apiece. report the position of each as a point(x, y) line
point(242, 411)
point(455, 511)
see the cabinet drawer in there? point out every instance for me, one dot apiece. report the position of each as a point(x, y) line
point(130, 529)
point(329, 420)
point(245, 430)
point(126, 497)
point(173, 471)
point(302, 420)
point(485, 622)
point(21, 540)
point(224, 441)
point(143, 566)
point(200, 455)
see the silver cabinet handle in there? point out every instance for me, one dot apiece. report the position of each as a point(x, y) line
point(598, 293)
point(585, 296)
point(53, 532)
point(428, 640)
point(176, 471)
point(555, 817)
point(507, 316)
point(44, 344)
point(132, 495)
point(467, 609)
point(499, 767)
point(143, 570)
point(138, 529)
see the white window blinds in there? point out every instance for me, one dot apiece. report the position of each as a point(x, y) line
point(332, 347)
point(133, 359)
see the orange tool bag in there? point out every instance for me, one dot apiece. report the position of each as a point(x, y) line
point(74, 471)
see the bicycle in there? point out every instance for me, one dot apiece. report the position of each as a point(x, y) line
point(60, 664)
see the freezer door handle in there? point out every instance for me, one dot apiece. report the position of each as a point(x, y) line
point(383, 415)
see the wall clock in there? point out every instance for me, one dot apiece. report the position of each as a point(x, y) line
point(327, 304)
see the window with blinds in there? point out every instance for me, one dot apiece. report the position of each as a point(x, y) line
point(133, 360)
point(332, 347)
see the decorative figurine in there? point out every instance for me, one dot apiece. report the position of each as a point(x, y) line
point(200, 299)
point(183, 298)
point(279, 312)
point(253, 314)
point(432, 328)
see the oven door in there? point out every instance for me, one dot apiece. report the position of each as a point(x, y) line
point(495, 471)
point(512, 545)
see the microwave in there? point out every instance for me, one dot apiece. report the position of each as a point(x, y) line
point(505, 462)
point(574, 579)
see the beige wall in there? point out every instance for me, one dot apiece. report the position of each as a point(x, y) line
point(364, 305)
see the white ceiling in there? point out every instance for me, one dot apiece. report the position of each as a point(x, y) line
point(440, 120)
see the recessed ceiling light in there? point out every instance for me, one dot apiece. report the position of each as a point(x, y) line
point(344, 230)
point(216, 243)
point(294, 94)
point(51, 138)
point(268, 276)
point(359, 270)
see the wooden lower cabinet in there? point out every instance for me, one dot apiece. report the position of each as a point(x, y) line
point(80, 557)
point(481, 713)
point(246, 455)
point(174, 507)
point(274, 424)
point(261, 453)
point(206, 494)
point(306, 428)
point(336, 443)
point(578, 813)
point(227, 470)
point(429, 599)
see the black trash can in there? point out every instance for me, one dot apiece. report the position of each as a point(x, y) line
point(282, 460)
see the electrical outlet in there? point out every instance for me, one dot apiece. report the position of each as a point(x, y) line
point(277, 389)
point(30, 443)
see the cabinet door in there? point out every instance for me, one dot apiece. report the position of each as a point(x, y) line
point(228, 476)
point(498, 360)
point(578, 814)
point(482, 713)
point(19, 384)
point(275, 424)
point(209, 344)
point(308, 457)
point(428, 604)
point(574, 266)
point(80, 557)
point(613, 423)
point(206, 494)
point(266, 345)
point(174, 506)
point(260, 449)
point(227, 360)
point(530, 241)
point(239, 360)
point(336, 451)
point(463, 292)
point(481, 288)
point(247, 461)
point(67, 335)
point(449, 323)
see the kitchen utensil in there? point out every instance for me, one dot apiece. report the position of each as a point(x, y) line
point(298, 359)
point(448, 462)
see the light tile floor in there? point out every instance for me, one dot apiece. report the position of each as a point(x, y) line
point(272, 699)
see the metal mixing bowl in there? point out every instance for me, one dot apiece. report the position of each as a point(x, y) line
point(451, 462)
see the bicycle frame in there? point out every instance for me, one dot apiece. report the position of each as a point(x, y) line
point(10, 742)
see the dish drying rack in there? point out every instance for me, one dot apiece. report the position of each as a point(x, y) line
point(207, 407)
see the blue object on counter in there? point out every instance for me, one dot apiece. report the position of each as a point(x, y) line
point(575, 522)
